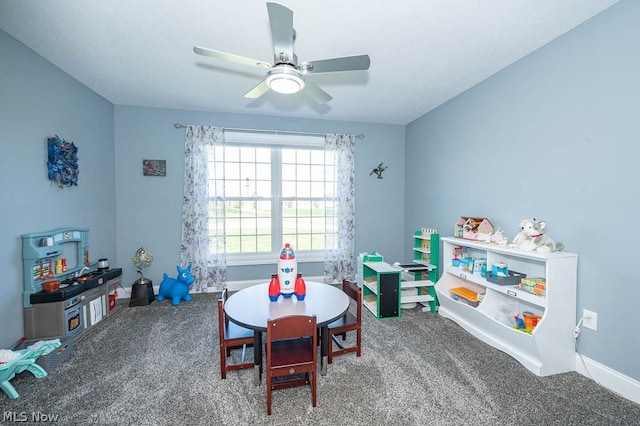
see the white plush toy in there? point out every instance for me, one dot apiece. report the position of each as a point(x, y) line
point(521, 236)
point(536, 240)
point(498, 237)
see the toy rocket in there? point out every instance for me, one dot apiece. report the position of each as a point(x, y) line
point(287, 270)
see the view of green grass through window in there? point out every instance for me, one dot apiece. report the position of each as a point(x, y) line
point(262, 197)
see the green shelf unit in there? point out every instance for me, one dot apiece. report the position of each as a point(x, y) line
point(381, 289)
point(426, 251)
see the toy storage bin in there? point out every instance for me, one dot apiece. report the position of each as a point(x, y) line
point(56, 356)
point(465, 295)
point(513, 278)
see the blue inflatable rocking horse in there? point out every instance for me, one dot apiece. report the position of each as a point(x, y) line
point(176, 289)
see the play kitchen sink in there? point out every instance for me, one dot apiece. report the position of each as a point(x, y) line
point(83, 296)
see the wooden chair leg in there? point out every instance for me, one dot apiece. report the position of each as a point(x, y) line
point(269, 398)
point(312, 379)
point(223, 363)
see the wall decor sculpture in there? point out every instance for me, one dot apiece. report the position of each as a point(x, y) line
point(378, 170)
point(63, 162)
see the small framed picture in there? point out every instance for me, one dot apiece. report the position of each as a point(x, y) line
point(154, 167)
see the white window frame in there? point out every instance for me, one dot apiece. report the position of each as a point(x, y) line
point(273, 141)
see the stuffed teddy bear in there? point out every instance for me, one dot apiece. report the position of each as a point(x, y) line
point(536, 240)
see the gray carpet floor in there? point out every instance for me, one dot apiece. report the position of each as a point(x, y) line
point(159, 365)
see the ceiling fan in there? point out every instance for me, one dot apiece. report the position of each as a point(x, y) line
point(286, 75)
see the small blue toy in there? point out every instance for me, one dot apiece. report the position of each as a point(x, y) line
point(176, 289)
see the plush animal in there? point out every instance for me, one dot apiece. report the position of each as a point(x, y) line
point(521, 236)
point(536, 239)
point(485, 238)
point(498, 237)
point(176, 289)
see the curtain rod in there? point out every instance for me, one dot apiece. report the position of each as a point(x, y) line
point(275, 132)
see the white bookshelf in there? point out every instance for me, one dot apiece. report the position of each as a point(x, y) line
point(549, 349)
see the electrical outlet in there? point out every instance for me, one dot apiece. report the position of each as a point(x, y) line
point(590, 319)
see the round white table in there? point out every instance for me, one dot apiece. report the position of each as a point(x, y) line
point(251, 308)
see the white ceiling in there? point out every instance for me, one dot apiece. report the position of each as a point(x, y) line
point(423, 52)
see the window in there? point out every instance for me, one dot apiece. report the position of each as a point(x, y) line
point(269, 190)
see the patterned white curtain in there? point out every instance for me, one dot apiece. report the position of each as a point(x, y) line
point(340, 263)
point(208, 270)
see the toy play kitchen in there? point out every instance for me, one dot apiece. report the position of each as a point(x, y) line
point(64, 292)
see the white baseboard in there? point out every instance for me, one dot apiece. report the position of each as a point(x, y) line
point(611, 379)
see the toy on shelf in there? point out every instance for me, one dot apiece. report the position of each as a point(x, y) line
point(527, 322)
point(534, 285)
point(536, 239)
point(498, 237)
point(466, 264)
point(473, 228)
point(499, 269)
point(480, 266)
point(520, 237)
point(176, 289)
point(458, 252)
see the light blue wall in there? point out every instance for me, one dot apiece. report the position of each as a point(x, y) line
point(555, 137)
point(37, 101)
point(149, 208)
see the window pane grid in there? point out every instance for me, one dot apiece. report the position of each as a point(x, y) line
point(243, 178)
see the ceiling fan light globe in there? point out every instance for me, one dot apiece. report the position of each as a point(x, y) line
point(285, 80)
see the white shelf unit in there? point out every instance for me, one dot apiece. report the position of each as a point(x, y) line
point(549, 349)
point(424, 285)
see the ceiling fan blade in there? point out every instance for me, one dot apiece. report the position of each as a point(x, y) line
point(347, 63)
point(259, 90)
point(230, 58)
point(318, 95)
point(281, 21)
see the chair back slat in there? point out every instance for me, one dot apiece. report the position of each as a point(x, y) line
point(291, 326)
point(350, 288)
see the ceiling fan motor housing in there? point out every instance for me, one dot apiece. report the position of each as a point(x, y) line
point(283, 58)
